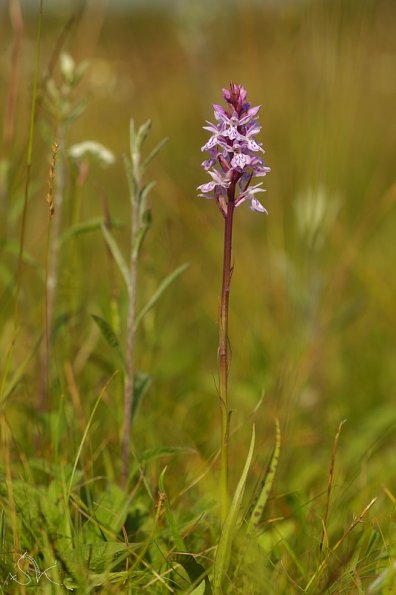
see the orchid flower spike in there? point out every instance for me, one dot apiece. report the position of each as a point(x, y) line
point(234, 153)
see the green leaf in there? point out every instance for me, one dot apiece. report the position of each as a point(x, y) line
point(143, 198)
point(163, 451)
point(230, 526)
point(142, 134)
point(146, 218)
point(265, 485)
point(110, 336)
point(153, 153)
point(139, 239)
point(196, 573)
point(200, 590)
point(132, 139)
point(136, 139)
point(86, 227)
point(132, 186)
point(164, 285)
point(106, 330)
point(115, 251)
point(141, 385)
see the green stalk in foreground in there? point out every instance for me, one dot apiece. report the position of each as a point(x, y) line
point(140, 222)
point(139, 226)
point(234, 159)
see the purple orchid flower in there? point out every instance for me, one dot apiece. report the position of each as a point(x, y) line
point(234, 153)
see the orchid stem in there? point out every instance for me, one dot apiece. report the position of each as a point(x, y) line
point(223, 355)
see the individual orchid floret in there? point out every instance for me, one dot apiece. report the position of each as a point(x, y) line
point(233, 146)
point(218, 183)
point(248, 194)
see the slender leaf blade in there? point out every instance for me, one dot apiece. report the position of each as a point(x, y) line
point(154, 153)
point(157, 452)
point(86, 227)
point(116, 253)
point(84, 437)
point(144, 192)
point(143, 132)
point(141, 385)
point(111, 339)
point(265, 484)
point(106, 330)
point(163, 286)
point(230, 527)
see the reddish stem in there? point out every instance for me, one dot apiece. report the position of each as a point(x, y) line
point(223, 352)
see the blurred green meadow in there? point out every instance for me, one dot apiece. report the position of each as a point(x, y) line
point(312, 308)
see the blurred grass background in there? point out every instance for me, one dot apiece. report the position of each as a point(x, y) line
point(313, 303)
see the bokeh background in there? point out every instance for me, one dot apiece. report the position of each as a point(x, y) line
point(313, 308)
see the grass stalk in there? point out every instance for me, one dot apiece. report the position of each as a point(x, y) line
point(50, 203)
point(55, 206)
point(356, 521)
point(131, 321)
point(53, 272)
point(323, 538)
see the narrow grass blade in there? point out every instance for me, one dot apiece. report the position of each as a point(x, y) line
point(118, 257)
point(86, 227)
point(229, 529)
point(323, 539)
point(265, 485)
point(163, 451)
point(6, 390)
point(154, 153)
point(83, 439)
point(164, 285)
point(356, 521)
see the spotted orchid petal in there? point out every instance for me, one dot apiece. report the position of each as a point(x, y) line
point(255, 205)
